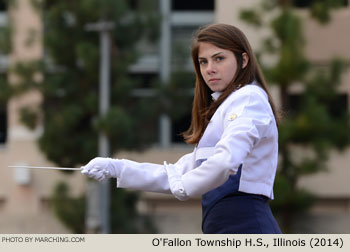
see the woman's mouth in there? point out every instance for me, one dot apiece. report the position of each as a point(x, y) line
point(214, 80)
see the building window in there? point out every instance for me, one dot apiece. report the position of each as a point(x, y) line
point(192, 5)
point(3, 5)
point(3, 125)
point(180, 46)
point(179, 126)
point(308, 3)
point(143, 80)
point(136, 4)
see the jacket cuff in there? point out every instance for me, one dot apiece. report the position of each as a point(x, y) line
point(175, 182)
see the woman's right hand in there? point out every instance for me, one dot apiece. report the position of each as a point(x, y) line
point(101, 168)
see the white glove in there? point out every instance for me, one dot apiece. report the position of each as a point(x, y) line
point(101, 168)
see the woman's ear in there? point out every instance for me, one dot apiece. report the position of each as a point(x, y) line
point(245, 58)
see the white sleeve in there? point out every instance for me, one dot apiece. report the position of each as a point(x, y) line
point(148, 176)
point(244, 123)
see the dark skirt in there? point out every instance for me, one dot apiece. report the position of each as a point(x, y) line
point(241, 213)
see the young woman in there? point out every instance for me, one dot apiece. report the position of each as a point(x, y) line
point(234, 129)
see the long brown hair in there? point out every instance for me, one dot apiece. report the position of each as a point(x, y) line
point(230, 38)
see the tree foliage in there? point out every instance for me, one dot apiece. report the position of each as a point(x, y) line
point(70, 210)
point(124, 216)
point(314, 121)
point(68, 80)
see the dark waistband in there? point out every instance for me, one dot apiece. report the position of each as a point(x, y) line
point(250, 195)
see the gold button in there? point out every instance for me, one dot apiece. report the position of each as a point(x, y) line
point(233, 117)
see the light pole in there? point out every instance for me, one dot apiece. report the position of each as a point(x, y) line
point(165, 64)
point(98, 194)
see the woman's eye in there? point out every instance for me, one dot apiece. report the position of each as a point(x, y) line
point(202, 62)
point(219, 58)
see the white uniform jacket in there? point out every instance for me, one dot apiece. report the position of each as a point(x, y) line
point(242, 131)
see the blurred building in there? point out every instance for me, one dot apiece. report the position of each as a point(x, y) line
point(24, 194)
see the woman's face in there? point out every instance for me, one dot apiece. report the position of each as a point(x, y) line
point(218, 66)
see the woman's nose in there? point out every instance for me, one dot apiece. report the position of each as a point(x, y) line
point(211, 68)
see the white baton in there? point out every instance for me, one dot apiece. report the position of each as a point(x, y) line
point(45, 167)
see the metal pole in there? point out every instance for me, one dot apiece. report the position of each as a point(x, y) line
point(98, 194)
point(165, 54)
point(103, 147)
